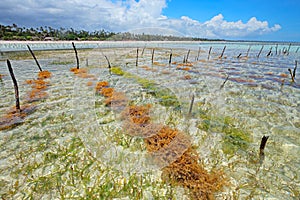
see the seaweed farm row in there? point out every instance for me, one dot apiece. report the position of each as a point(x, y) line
point(151, 121)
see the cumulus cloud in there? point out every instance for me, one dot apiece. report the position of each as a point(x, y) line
point(220, 27)
point(120, 15)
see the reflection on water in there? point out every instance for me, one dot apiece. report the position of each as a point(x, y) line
point(226, 124)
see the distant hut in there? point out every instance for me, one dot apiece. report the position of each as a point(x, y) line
point(49, 39)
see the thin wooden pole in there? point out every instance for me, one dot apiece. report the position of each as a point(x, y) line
point(288, 50)
point(269, 52)
point(137, 57)
point(198, 53)
point(187, 56)
point(109, 66)
point(222, 52)
point(152, 57)
point(143, 51)
point(224, 82)
point(209, 53)
point(36, 61)
point(15, 86)
point(170, 58)
point(262, 148)
point(276, 49)
point(284, 51)
point(260, 51)
point(292, 76)
point(294, 72)
point(191, 105)
point(248, 51)
point(76, 55)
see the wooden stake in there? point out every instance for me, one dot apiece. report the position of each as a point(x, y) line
point(297, 50)
point(294, 72)
point(224, 82)
point(170, 58)
point(143, 51)
point(191, 105)
point(209, 53)
point(288, 50)
point(282, 84)
point(222, 52)
point(137, 57)
point(198, 53)
point(284, 51)
point(36, 61)
point(260, 51)
point(15, 86)
point(248, 51)
point(152, 57)
point(292, 76)
point(262, 147)
point(187, 56)
point(109, 66)
point(269, 52)
point(77, 60)
point(276, 48)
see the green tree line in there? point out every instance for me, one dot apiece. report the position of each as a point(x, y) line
point(14, 32)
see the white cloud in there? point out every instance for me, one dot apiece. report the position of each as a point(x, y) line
point(220, 27)
point(120, 15)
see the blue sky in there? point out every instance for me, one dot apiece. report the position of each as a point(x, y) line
point(286, 13)
point(222, 19)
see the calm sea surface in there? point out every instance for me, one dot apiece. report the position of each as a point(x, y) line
point(239, 97)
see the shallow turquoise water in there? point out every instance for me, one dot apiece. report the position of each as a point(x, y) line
point(258, 99)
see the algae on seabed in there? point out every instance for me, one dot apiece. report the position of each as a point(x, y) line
point(164, 95)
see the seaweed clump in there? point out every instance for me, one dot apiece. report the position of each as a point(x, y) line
point(101, 85)
point(81, 72)
point(139, 115)
point(184, 168)
point(15, 117)
point(44, 74)
point(171, 150)
point(189, 173)
point(113, 99)
point(38, 86)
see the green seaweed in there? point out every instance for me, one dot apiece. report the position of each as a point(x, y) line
point(235, 138)
point(66, 62)
point(69, 171)
point(164, 95)
point(117, 71)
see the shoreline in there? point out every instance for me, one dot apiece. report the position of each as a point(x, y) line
point(137, 41)
point(91, 42)
point(16, 46)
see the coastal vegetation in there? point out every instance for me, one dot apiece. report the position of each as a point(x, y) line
point(14, 32)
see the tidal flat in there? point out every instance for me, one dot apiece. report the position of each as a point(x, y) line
point(76, 142)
